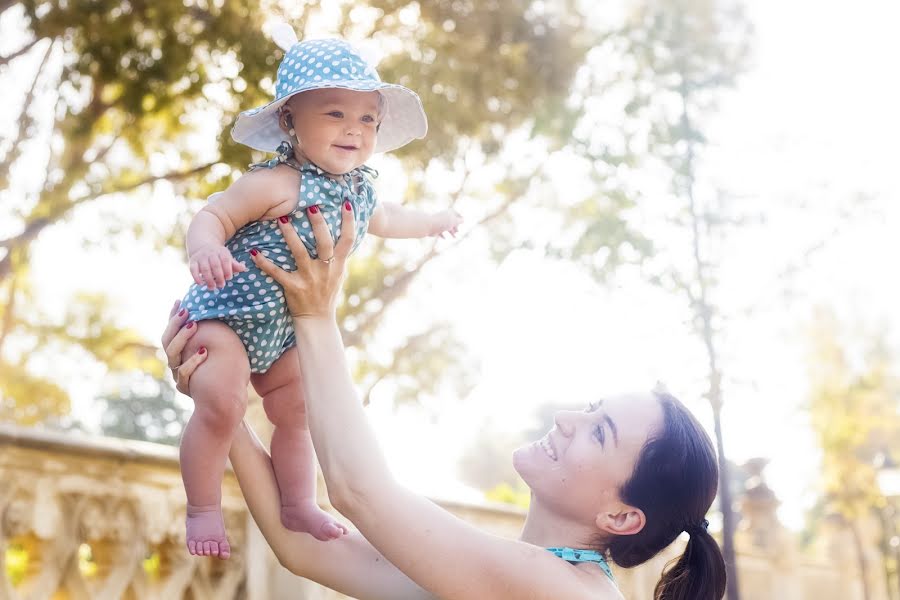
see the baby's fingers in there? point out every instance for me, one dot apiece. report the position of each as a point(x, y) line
point(238, 267)
point(195, 272)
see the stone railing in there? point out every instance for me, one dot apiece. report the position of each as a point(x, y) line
point(99, 518)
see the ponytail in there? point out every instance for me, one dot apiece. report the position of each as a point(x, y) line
point(674, 483)
point(698, 574)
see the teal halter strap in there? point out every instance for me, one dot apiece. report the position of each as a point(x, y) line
point(574, 555)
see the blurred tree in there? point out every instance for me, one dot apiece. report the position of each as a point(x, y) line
point(128, 77)
point(123, 78)
point(855, 414)
point(144, 410)
point(676, 60)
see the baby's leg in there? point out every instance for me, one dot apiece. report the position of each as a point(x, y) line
point(219, 390)
point(293, 457)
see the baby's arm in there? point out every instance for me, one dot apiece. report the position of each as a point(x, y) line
point(392, 220)
point(255, 196)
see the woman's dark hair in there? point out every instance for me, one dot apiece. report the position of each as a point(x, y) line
point(674, 482)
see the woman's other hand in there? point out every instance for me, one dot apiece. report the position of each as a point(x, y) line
point(178, 331)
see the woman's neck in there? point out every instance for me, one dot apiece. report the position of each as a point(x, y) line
point(547, 528)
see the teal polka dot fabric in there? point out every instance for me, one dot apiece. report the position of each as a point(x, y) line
point(252, 303)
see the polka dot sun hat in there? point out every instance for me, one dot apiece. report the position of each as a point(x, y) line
point(329, 63)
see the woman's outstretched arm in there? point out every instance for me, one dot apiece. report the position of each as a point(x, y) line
point(350, 564)
point(443, 554)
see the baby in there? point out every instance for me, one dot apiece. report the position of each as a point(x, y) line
point(330, 114)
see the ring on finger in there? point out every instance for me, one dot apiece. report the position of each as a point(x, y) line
point(328, 260)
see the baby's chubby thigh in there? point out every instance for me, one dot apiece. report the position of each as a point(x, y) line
point(219, 385)
point(281, 391)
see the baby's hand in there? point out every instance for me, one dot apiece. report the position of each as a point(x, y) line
point(212, 266)
point(446, 221)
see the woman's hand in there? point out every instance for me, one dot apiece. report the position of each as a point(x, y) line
point(312, 290)
point(178, 331)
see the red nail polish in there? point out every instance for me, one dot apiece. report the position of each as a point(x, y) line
point(347, 206)
point(202, 350)
point(284, 219)
point(254, 251)
point(189, 325)
point(182, 312)
point(313, 209)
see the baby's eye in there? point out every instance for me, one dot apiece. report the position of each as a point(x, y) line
point(368, 119)
point(337, 114)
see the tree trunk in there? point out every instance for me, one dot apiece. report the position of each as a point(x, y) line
point(862, 563)
point(703, 310)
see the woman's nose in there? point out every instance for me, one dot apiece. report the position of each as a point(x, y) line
point(565, 421)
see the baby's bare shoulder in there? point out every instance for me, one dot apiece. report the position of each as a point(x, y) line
point(272, 189)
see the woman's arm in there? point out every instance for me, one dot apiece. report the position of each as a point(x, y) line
point(443, 554)
point(350, 564)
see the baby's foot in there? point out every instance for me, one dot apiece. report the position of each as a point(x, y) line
point(309, 518)
point(206, 531)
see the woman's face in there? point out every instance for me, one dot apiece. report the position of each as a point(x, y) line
point(577, 469)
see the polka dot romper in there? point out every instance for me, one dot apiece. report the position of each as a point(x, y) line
point(252, 303)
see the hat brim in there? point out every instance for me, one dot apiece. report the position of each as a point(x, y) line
point(403, 119)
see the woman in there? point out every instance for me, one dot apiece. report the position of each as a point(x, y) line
point(620, 479)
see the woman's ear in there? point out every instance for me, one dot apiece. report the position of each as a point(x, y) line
point(627, 521)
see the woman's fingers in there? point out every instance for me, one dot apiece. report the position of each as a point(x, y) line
point(177, 317)
point(295, 245)
point(348, 232)
point(324, 243)
point(269, 268)
point(186, 369)
point(175, 338)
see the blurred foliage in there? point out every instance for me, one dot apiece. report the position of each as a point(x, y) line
point(128, 79)
point(855, 415)
point(17, 559)
point(676, 60)
point(519, 496)
point(125, 77)
point(144, 410)
point(854, 410)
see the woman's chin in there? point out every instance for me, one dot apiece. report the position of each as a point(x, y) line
point(522, 460)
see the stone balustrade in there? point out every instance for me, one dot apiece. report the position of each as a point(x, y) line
point(100, 518)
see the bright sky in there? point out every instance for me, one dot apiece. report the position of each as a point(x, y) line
point(810, 127)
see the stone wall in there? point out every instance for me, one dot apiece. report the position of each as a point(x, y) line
point(98, 518)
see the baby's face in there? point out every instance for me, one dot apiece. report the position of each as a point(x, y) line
point(337, 128)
